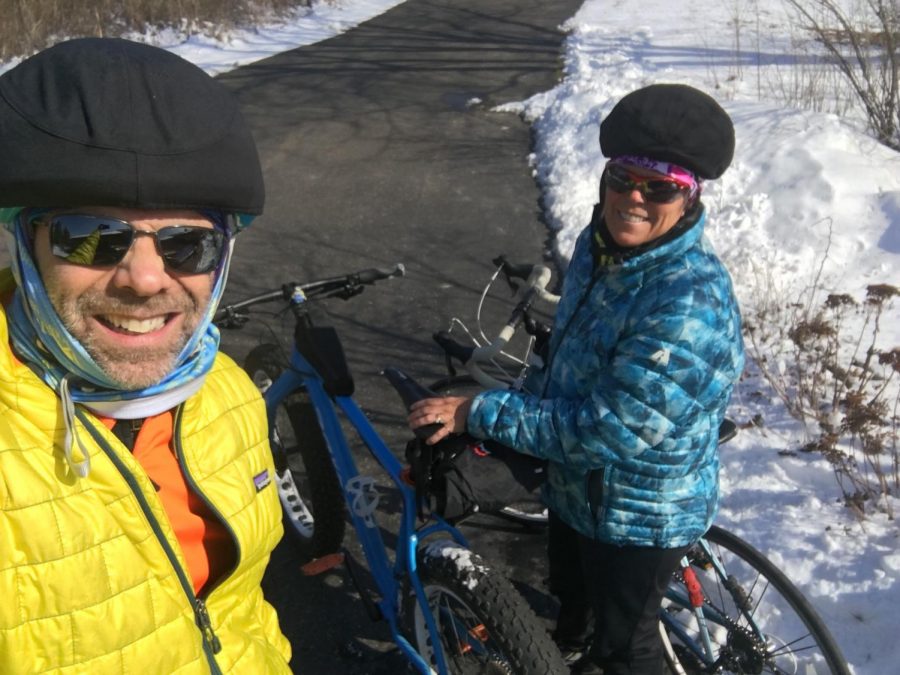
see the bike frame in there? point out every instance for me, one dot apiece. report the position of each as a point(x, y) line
point(362, 500)
point(692, 596)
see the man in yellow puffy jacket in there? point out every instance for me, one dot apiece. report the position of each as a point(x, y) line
point(137, 511)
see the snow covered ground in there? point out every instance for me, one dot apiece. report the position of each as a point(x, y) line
point(801, 184)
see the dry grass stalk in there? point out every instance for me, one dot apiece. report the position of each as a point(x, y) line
point(31, 25)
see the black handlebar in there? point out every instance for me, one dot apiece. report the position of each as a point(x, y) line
point(520, 311)
point(366, 277)
point(344, 287)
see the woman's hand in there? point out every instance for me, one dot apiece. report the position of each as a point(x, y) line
point(450, 412)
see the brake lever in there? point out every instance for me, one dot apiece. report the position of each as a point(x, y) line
point(501, 262)
point(233, 319)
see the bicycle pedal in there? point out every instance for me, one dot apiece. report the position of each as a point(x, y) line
point(321, 565)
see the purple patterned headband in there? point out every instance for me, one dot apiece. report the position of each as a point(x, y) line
point(677, 173)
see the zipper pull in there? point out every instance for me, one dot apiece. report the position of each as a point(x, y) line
point(205, 624)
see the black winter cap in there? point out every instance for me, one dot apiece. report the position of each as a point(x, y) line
point(671, 123)
point(105, 121)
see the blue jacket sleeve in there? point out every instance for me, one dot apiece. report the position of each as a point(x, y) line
point(672, 366)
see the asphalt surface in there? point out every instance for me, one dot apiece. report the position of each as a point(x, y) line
point(380, 146)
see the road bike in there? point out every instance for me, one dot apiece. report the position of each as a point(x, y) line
point(494, 362)
point(447, 610)
point(728, 608)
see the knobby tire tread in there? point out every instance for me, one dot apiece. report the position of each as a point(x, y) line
point(509, 619)
point(325, 497)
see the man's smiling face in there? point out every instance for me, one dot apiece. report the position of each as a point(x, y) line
point(133, 317)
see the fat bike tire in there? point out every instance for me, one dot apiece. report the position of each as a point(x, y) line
point(485, 626)
point(312, 502)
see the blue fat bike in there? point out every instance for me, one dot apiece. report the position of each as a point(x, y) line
point(447, 610)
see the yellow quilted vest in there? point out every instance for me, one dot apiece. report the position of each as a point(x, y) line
point(92, 579)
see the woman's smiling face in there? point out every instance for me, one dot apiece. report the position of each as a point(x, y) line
point(633, 220)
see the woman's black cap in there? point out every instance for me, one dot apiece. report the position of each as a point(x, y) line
point(106, 121)
point(671, 123)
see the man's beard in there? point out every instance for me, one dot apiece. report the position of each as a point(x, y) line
point(130, 368)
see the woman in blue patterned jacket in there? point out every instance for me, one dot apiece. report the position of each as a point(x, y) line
point(645, 351)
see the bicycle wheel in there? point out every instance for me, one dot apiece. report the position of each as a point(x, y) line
point(484, 624)
point(532, 513)
point(311, 498)
point(758, 621)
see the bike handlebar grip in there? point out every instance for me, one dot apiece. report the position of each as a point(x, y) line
point(373, 274)
point(452, 347)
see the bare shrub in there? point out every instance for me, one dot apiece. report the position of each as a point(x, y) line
point(806, 78)
point(31, 25)
point(864, 46)
point(820, 353)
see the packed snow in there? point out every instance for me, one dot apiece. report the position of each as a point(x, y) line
point(469, 566)
point(807, 191)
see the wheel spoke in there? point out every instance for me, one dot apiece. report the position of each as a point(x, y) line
point(451, 621)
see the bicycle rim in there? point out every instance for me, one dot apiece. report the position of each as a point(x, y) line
point(293, 481)
point(308, 489)
point(758, 621)
point(467, 644)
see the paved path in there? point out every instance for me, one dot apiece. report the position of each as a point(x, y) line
point(372, 156)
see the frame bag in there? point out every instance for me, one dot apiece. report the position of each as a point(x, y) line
point(462, 475)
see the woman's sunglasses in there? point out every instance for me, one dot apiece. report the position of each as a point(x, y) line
point(657, 190)
point(85, 239)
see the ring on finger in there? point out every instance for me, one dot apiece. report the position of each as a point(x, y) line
point(439, 420)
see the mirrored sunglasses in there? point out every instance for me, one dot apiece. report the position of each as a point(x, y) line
point(102, 241)
point(657, 190)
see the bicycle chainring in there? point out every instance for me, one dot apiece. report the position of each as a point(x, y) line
point(743, 653)
point(494, 666)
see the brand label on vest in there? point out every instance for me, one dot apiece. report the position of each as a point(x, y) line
point(260, 480)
